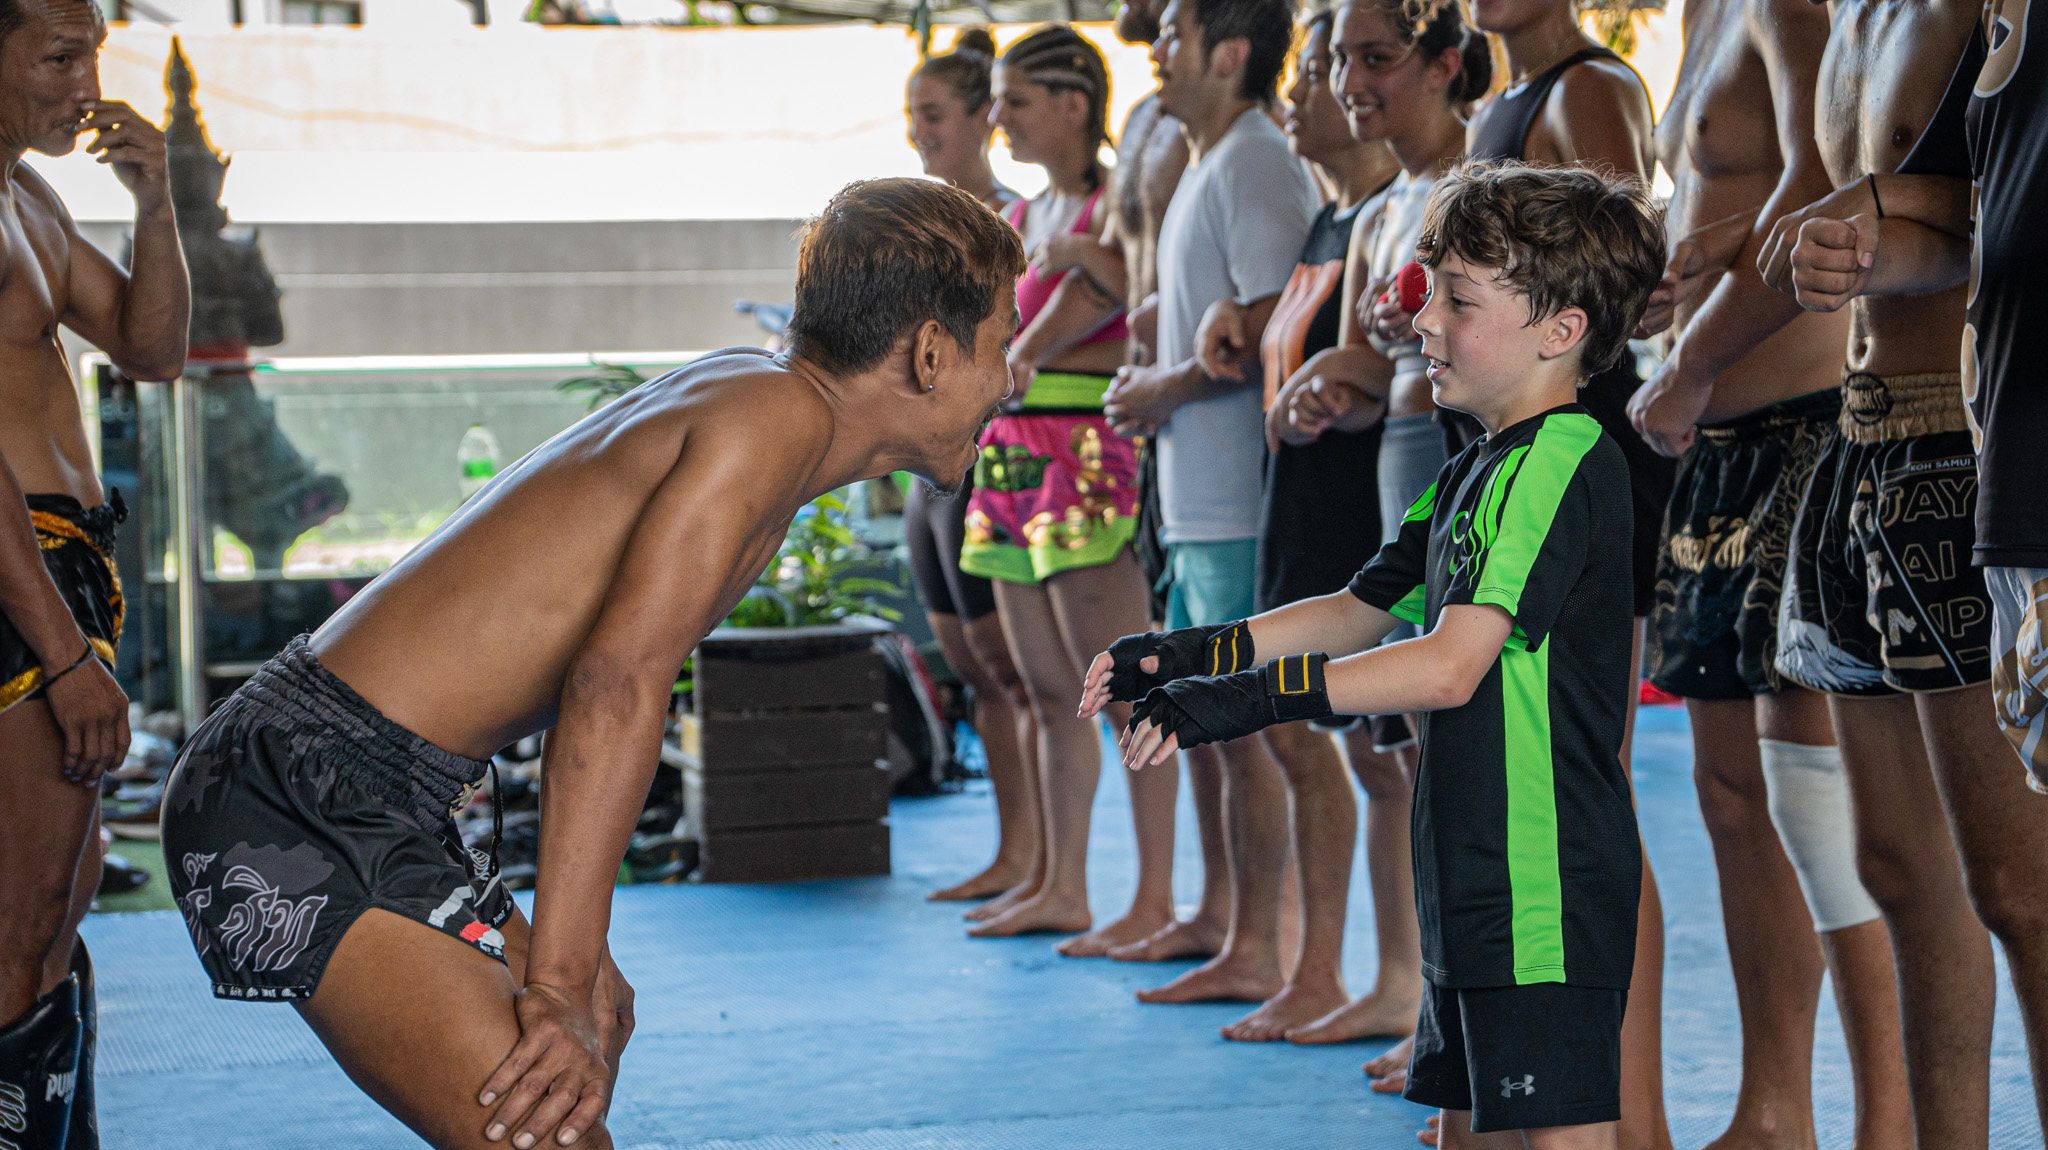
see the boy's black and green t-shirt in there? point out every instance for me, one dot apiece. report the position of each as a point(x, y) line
point(1527, 864)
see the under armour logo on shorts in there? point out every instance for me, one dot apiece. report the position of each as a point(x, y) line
point(1527, 1086)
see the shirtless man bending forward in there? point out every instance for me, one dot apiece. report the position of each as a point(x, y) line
point(63, 721)
point(308, 825)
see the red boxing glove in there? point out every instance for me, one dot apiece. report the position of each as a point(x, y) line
point(1413, 284)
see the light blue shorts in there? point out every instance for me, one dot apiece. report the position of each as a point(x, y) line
point(1212, 582)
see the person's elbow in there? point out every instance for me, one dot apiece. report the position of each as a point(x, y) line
point(616, 689)
point(152, 360)
point(1449, 685)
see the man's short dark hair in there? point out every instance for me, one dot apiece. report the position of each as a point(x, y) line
point(12, 17)
point(1565, 236)
point(887, 255)
point(1267, 24)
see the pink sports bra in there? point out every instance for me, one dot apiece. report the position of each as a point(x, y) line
point(1033, 290)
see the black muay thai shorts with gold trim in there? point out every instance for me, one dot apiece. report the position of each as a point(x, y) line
point(78, 551)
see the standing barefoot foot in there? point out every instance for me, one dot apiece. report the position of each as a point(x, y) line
point(1039, 914)
point(1002, 903)
point(997, 879)
point(1227, 977)
point(1195, 938)
point(1389, 1072)
point(1135, 927)
point(1373, 1016)
point(1286, 1011)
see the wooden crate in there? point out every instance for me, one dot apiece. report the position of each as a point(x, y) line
point(784, 754)
point(842, 850)
point(852, 679)
point(719, 801)
point(772, 740)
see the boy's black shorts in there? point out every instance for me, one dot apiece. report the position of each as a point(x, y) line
point(1520, 1057)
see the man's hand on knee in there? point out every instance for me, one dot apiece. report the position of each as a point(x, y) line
point(556, 1081)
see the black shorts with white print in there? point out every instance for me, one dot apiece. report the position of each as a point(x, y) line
point(1520, 1057)
point(298, 806)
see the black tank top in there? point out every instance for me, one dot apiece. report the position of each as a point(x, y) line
point(2004, 362)
point(1508, 120)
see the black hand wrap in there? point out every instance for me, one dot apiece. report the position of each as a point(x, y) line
point(1220, 650)
point(1221, 708)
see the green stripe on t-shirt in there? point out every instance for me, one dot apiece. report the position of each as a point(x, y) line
point(1538, 483)
point(1424, 505)
point(1537, 890)
point(1414, 606)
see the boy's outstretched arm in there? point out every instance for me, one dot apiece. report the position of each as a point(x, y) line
point(1435, 672)
point(1340, 622)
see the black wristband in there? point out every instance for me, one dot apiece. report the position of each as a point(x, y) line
point(49, 680)
point(1295, 688)
point(1871, 179)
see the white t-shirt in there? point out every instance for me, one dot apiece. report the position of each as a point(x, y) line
point(1234, 230)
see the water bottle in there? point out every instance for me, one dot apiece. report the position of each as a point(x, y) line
point(476, 458)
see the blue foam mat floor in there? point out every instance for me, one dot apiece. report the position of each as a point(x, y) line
point(854, 1014)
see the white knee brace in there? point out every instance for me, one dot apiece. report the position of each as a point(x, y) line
point(1809, 801)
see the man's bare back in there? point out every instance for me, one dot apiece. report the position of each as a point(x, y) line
point(1718, 140)
point(469, 639)
point(1886, 67)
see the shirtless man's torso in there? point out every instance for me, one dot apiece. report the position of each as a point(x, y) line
point(63, 720)
point(563, 598)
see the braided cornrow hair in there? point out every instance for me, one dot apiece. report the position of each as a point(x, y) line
point(1062, 60)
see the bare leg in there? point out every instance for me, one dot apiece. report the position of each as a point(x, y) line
point(419, 1021)
point(1069, 764)
point(2002, 828)
point(1096, 606)
point(46, 827)
point(1906, 859)
point(1457, 1135)
point(1776, 962)
point(1388, 1009)
point(1325, 831)
point(1247, 969)
point(1201, 935)
point(1643, 1125)
point(985, 637)
point(1860, 959)
point(995, 719)
point(1867, 997)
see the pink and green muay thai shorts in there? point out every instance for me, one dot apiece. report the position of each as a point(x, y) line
point(1054, 489)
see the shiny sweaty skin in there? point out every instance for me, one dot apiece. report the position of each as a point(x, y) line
point(49, 276)
point(566, 595)
point(1909, 758)
point(1745, 85)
